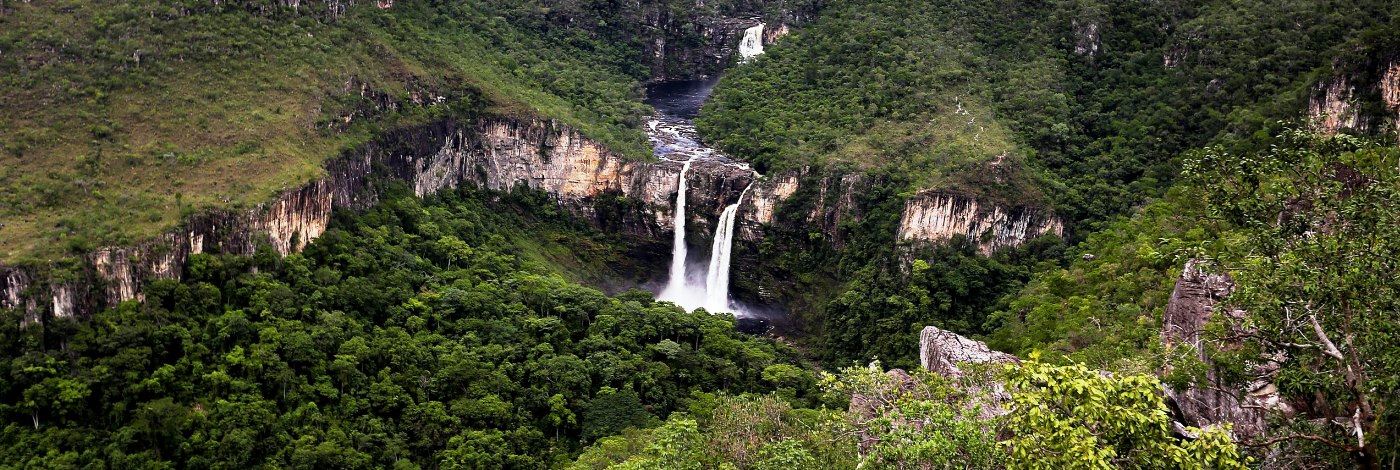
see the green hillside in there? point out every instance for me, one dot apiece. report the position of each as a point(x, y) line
point(120, 118)
point(1099, 98)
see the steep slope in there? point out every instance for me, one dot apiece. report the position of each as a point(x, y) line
point(140, 113)
point(1101, 97)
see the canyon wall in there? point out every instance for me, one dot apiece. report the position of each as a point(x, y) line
point(495, 153)
point(499, 154)
point(934, 216)
point(1363, 99)
point(686, 44)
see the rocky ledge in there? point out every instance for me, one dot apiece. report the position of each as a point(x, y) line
point(498, 153)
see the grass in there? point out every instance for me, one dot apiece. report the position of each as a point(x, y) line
point(118, 120)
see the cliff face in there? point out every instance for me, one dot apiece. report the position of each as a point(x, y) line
point(1365, 102)
point(1192, 304)
point(1390, 91)
point(1332, 109)
point(498, 154)
point(933, 216)
point(684, 45)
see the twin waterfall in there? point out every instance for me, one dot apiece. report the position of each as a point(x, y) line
point(676, 287)
point(717, 277)
point(713, 293)
point(673, 137)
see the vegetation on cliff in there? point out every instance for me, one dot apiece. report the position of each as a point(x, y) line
point(1099, 98)
point(121, 118)
point(1306, 230)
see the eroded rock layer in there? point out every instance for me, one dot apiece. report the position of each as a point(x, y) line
point(502, 154)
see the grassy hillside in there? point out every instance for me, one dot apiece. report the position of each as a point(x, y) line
point(119, 118)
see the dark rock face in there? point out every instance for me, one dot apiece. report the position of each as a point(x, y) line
point(682, 44)
point(1192, 304)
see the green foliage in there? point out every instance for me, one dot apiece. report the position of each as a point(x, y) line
point(1105, 307)
point(937, 89)
point(139, 103)
point(1074, 417)
point(414, 333)
point(923, 420)
point(883, 307)
point(1316, 258)
point(751, 432)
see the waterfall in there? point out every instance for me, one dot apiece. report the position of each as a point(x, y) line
point(676, 289)
point(752, 45)
point(717, 277)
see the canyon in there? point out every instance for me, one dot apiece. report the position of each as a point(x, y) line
point(512, 152)
point(497, 153)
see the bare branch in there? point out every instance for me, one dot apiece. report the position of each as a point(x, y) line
point(1327, 346)
point(1307, 437)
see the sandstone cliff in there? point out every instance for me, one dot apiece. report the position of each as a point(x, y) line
point(933, 216)
point(1362, 99)
point(499, 154)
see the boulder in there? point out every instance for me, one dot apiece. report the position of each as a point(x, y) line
point(940, 351)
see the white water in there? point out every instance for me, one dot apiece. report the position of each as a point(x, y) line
point(717, 277)
point(678, 288)
point(752, 45)
point(673, 138)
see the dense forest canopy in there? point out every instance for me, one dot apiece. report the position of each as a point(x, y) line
point(503, 329)
point(417, 334)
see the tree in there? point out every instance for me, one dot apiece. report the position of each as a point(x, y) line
point(1316, 263)
point(1075, 417)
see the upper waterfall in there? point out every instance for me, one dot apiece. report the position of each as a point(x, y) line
point(752, 45)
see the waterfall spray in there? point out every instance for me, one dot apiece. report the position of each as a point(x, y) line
point(717, 278)
point(676, 288)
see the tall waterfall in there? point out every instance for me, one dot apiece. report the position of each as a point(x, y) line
point(717, 277)
point(752, 45)
point(676, 289)
point(674, 139)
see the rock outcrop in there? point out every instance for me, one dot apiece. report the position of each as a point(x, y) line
point(1361, 99)
point(1193, 303)
point(1086, 37)
point(941, 351)
point(1390, 91)
point(1332, 108)
point(946, 353)
point(935, 216)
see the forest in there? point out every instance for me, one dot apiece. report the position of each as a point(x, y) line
point(516, 328)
